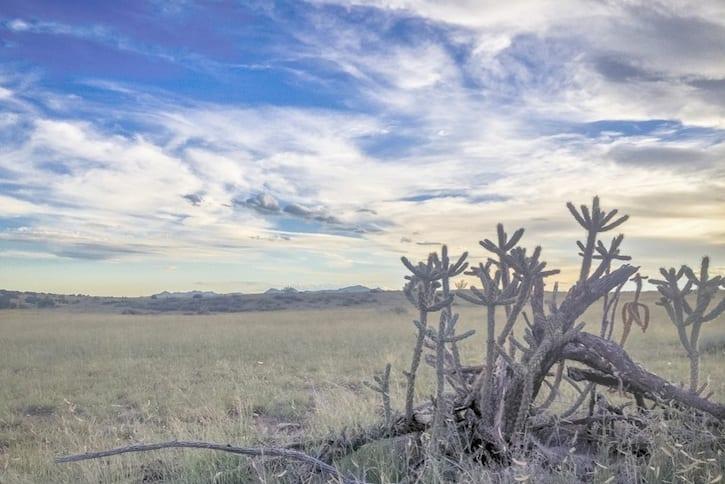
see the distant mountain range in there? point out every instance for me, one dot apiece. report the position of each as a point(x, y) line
point(187, 294)
point(206, 294)
point(349, 289)
point(355, 288)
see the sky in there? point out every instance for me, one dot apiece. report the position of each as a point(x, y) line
point(236, 146)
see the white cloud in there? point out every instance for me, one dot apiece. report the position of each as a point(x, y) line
point(18, 25)
point(5, 93)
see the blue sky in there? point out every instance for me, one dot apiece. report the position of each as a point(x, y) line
point(234, 146)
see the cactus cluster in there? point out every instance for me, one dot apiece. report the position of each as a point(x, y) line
point(494, 404)
point(686, 316)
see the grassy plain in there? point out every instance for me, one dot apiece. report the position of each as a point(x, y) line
point(71, 382)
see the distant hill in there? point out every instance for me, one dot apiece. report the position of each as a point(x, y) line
point(346, 290)
point(206, 302)
point(285, 290)
point(353, 289)
point(356, 289)
point(187, 294)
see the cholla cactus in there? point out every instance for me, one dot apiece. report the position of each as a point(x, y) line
point(422, 292)
point(501, 288)
point(382, 386)
point(594, 222)
point(683, 315)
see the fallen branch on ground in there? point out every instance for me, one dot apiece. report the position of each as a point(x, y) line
point(612, 365)
point(194, 444)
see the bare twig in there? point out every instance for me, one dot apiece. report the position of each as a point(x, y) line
point(194, 444)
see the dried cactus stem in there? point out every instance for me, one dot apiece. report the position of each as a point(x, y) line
point(382, 386)
point(486, 398)
point(694, 370)
point(440, 403)
point(387, 409)
point(554, 387)
point(414, 364)
point(588, 254)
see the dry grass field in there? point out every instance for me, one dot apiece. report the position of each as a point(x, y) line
point(71, 382)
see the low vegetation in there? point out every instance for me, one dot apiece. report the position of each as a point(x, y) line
point(82, 381)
